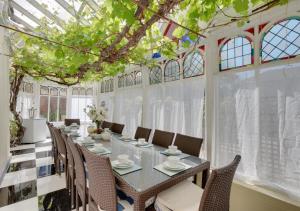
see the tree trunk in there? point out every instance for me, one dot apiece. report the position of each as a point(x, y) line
point(16, 128)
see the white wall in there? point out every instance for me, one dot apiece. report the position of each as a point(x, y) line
point(4, 105)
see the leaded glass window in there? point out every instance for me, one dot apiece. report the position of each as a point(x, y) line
point(193, 64)
point(44, 90)
point(172, 71)
point(102, 87)
point(281, 41)
point(236, 52)
point(28, 87)
point(130, 79)
point(138, 77)
point(89, 91)
point(75, 91)
point(107, 86)
point(155, 76)
point(121, 81)
point(111, 85)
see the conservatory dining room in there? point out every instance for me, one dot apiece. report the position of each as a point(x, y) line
point(150, 105)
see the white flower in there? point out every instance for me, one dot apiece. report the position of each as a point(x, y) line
point(95, 114)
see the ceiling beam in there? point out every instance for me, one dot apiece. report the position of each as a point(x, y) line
point(37, 5)
point(20, 21)
point(93, 5)
point(25, 12)
point(70, 9)
point(81, 8)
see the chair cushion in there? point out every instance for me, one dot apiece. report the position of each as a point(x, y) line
point(185, 196)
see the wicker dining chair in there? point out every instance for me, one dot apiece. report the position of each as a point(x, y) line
point(80, 175)
point(69, 122)
point(102, 191)
point(54, 145)
point(62, 152)
point(188, 144)
point(142, 132)
point(71, 170)
point(162, 138)
point(117, 128)
point(106, 124)
point(188, 196)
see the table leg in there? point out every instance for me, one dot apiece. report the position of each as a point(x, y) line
point(139, 205)
point(205, 175)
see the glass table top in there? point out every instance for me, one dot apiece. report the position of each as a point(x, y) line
point(147, 158)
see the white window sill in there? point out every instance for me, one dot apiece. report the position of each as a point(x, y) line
point(269, 192)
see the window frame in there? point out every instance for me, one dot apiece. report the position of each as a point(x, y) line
point(173, 76)
point(185, 59)
point(49, 96)
point(235, 57)
point(264, 34)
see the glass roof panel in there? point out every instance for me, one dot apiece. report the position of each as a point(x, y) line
point(27, 6)
point(25, 18)
point(56, 9)
point(75, 3)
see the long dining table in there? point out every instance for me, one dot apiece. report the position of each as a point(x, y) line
point(147, 182)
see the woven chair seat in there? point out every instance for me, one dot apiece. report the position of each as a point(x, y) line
point(184, 196)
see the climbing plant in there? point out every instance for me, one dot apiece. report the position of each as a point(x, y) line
point(121, 32)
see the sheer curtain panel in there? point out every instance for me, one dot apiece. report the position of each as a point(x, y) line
point(258, 116)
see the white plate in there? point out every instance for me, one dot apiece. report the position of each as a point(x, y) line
point(177, 152)
point(97, 150)
point(179, 167)
point(140, 145)
point(116, 164)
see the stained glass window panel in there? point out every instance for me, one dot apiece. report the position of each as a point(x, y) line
point(155, 75)
point(138, 77)
point(193, 65)
point(281, 41)
point(172, 71)
point(236, 52)
point(111, 85)
point(44, 90)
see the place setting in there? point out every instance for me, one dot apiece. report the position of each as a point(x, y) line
point(123, 165)
point(127, 138)
point(99, 149)
point(172, 166)
point(142, 143)
point(174, 151)
point(87, 142)
point(74, 133)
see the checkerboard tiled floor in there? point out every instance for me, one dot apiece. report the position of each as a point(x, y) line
point(30, 183)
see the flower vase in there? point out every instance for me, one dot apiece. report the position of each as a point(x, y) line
point(98, 124)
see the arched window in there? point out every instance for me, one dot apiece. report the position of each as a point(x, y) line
point(236, 52)
point(193, 64)
point(107, 86)
point(111, 85)
point(89, 92)
point(121, 81)
point(155, 76)
point(102, 87)
point(138, 77)
point(130, 79)
point(281, 41)
point(28, 87)
point(172, 71)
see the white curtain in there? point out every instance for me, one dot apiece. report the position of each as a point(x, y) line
point(176, 107)
point(107, 100)
point(24, 103)
point(258, 116)
point(128, 106)
point(79, 103)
